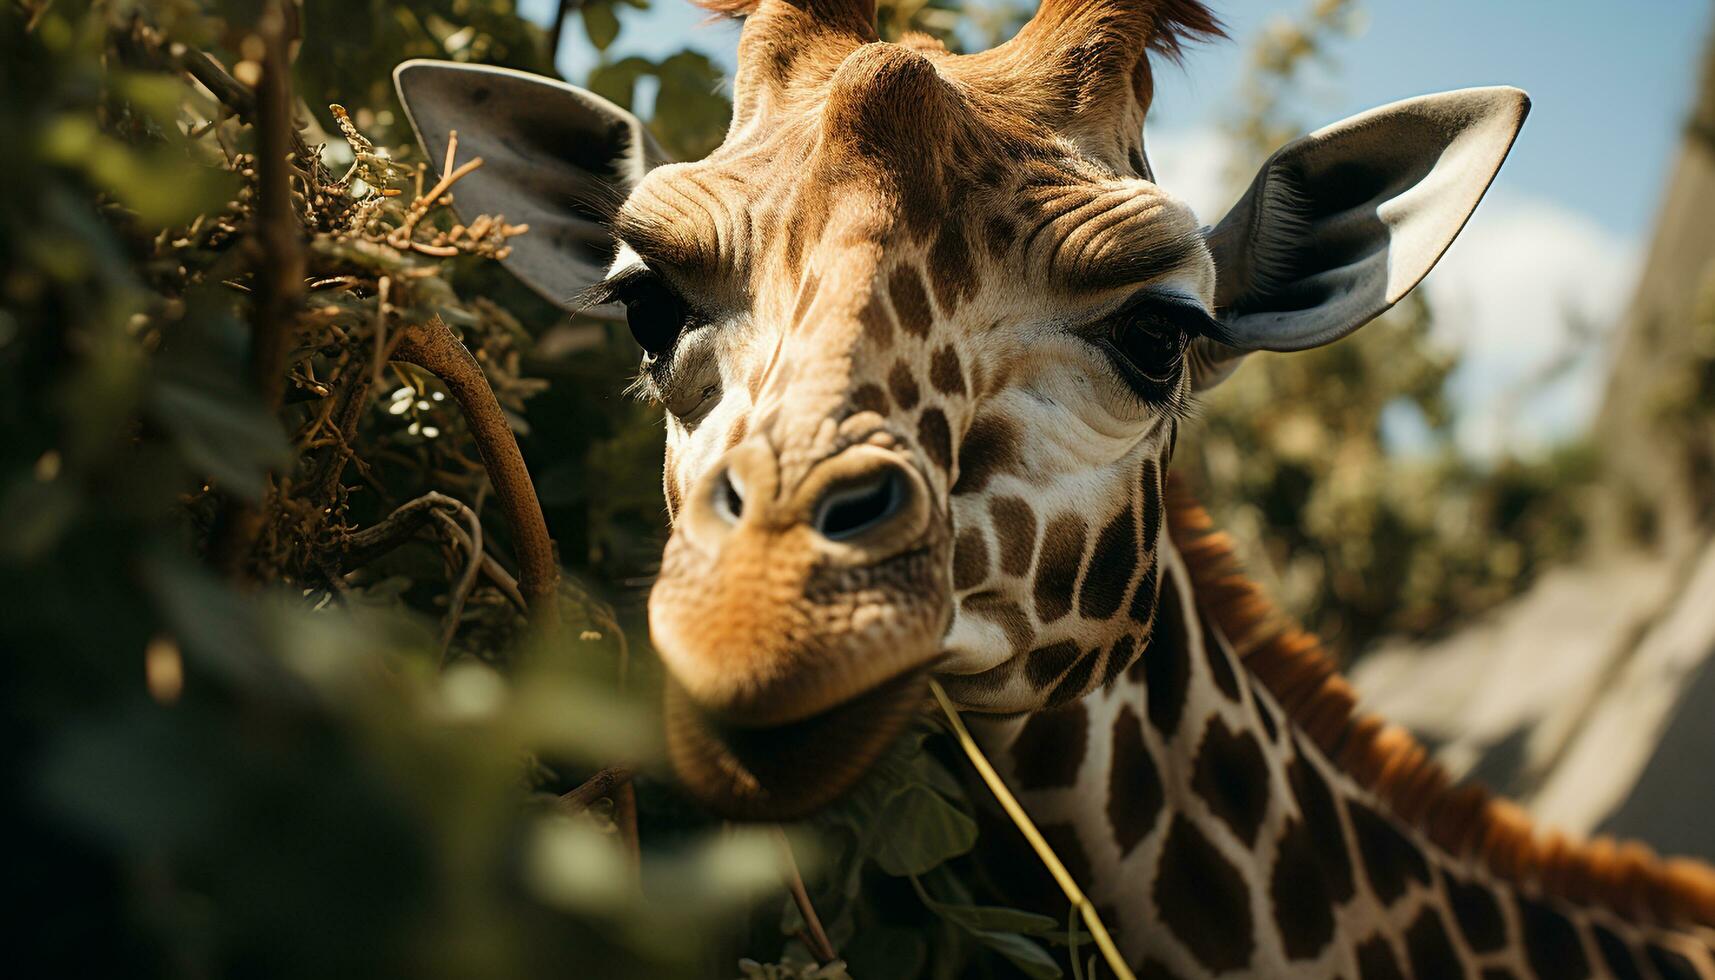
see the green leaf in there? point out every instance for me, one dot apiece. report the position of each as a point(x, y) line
point(923, 830)
point(979, 918)
point(601, 24)
point(618, 82)
point(1030, 958)
point(996, 918)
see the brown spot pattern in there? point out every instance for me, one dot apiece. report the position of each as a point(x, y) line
point(1476, 912)
point(1231, 776)
point(1389, 858)
point(950, 269)
point(1152, 506)
point(946, 372)
point(1049, 662)
point(1220, 661)
point(1145, 597)
point(1618, 956)
point(1376, 960)
point(870, 398)
point(1050, 748)
point(1152, 969)
point(1265, 715)
point(1165, 664)
point(877, 325)
point(1135, 795)
point(1001, 233)
point(1015, 527)
point(1428, 949)
point(1057, 571)
point(990, 447)
point(1551, 943)
point(1670, 964)
point(1316, 804)
point(1119, 658)
point(1076, 683)
point(910, 301)
point(1202, 899)
point(1062, 838)
point(970, 559)
point(935, 437)
point(1110, 568)
point(1303, 909)
point(903, 384)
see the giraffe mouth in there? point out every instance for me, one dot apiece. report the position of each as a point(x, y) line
point(787, 771)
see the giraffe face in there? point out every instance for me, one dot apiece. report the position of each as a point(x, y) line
point(924, 328)
point(863, 367)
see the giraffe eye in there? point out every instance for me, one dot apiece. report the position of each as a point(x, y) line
point(1155, 349)
point(655, 313)
point(1146, 342)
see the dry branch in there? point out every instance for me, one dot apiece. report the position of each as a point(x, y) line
point(466, 582)
point(1038, 843)
point(597, 786)
point(279, 243)
point(433, 347)
point(813, 936)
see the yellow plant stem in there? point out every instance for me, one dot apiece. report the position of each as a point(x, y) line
point(1010, 804)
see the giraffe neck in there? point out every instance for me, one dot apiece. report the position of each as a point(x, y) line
point(1218, 839)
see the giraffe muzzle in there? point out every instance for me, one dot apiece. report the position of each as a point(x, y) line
point(862, 506)
point(797, 619)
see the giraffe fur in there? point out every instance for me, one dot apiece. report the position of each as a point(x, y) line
point(925, 328)
point(1227, 840)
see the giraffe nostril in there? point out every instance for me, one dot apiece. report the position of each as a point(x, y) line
point(728, 499)
point(853, 508)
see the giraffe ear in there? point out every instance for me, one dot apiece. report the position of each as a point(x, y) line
point(1339, 225)
point(554, 156)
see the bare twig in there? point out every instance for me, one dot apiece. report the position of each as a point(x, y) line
point(625, 819)
point(400, 237)
point(433, 347)
point(403, 524)
point(230, 91)
point(597, 786)
point(276, 249)
point(382, 288)
point(814, 937)
point(558, 30)
point(279, 244)
point(1038, 843)
point(501, 578)
point(467, 581)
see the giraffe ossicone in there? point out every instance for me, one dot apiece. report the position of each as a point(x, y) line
point(925, 328)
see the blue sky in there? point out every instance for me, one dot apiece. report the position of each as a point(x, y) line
point(1562, 232)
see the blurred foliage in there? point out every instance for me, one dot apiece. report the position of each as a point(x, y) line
point(1356, 535)
point(247, 759)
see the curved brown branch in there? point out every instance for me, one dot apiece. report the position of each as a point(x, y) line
point(813, 936)
point(597, 786)
point(432, 347)
point(365, 545)
point(466, 582)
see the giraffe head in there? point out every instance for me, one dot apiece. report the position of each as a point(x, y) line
point(924, 327)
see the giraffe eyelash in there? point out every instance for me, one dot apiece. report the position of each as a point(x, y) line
point(614, 288)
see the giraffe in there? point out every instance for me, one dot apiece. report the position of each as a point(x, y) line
point(925, 328)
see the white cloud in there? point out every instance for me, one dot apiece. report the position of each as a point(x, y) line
point(1191, 164)
point(1507, 294)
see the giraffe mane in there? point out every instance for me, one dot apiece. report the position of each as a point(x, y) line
point(1464, 819)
